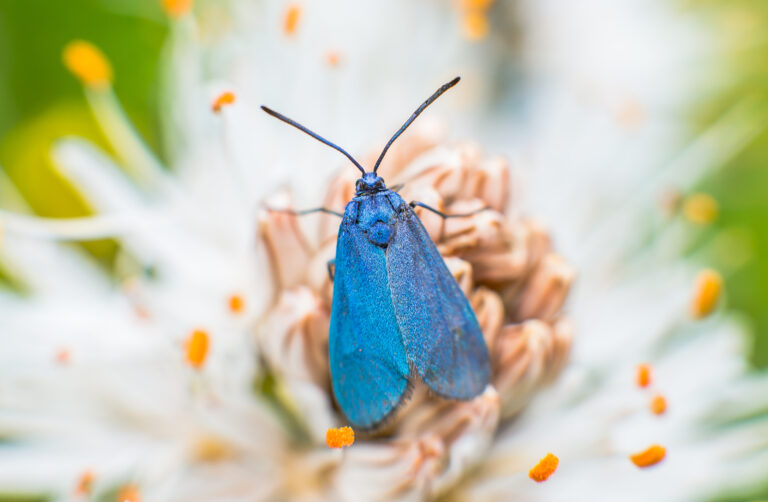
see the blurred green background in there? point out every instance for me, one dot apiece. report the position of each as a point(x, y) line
point(41, 101)
point(740, 186)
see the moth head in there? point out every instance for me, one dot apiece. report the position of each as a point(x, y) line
point(370, 182)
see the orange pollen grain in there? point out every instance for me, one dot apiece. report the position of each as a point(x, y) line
point(544, 469)
point(236, 304)
point(177, 8)
point(197, 348)
point(340, 437)
point(84, 483)
point(658, 404)
point(128, 493)
point(643, 377)
point(222, 100)
point(292, 18)
point(651, 456)
point(86, 62)
point(709, 286)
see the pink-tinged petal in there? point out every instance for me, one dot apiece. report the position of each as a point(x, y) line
point(462, 272)
point(286, 247)
point(489, 310)
point(294, 336)
point(546, 290)
point(432, 222)
point(524, 357)
point(340, 192)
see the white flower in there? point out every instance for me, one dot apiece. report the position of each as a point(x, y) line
point(104, 379)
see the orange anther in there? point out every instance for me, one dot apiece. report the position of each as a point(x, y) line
point(339, 437)
point(700, 208)
point(236, 304)
point(658, 404)
point(63, 356)
point(292, 18)
point(652, 456)
point(84, 484)
point(333, 58)
point(197, 348)
point(177, 8)
point(476, 25)
point(86, 62)
point(128, 493)
point(707, 291)
point(222, 100)
point(643, 377)
point(544, 469)
point(477, 4)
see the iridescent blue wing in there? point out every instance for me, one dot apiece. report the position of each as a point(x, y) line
point(369, 371)
point(441, 335)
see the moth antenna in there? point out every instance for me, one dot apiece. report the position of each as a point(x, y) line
point(418, 111)
point(314, 135)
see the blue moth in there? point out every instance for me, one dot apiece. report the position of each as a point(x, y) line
point(397, 311)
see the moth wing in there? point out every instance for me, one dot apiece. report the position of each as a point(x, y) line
point(441, 335)
point(369, 370)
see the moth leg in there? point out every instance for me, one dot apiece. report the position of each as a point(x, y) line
point(442, 214)
point(331, 268)
point(307, 211)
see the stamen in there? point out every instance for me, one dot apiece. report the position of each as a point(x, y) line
point(630, 114)
point(84, 484)
point(477, 4)
point(212, 449)
point(643, 375)
point(236, 304)
point(177, 8)
point(475, 22)
point(670, 201)
point(129, 493)
point(333, 58)
point(86, 62)
point(292, 18)
point(544, 469)
point(701, 209)
point(63, 357)
point(222, 100)
point(709, 286)
point(475, 25)
point(77, 228)
point(658, 404)
point(339, 437)
point(197, 348)
point(652, 456)
point(141, 312)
